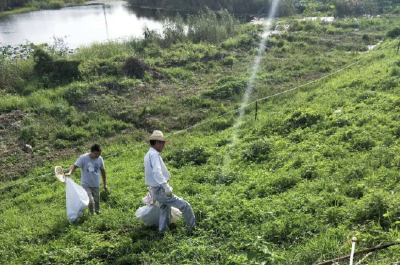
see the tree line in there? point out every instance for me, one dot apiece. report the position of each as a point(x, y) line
point(286, 7)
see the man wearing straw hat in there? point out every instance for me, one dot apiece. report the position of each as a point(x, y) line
point(156, 177)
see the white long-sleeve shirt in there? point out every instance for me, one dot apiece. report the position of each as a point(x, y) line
point(156, 173)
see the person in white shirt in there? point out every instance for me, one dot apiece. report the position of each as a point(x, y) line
point(156, 177)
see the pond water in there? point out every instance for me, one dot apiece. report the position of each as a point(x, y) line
point(81, 25)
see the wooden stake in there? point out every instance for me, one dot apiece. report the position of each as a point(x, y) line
point(365, 251)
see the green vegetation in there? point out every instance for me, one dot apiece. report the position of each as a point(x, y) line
point(19, 11)
point(286, 7)
point(12, 7)
point(319, 166)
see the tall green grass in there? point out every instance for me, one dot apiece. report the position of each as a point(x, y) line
point(303, 181)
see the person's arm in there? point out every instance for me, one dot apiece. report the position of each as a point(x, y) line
point(103, 175)
point(73, 168)
point(158, 176)
point(78, 163)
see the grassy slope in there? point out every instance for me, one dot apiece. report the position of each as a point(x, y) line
point(321, 178)
point(108, 105)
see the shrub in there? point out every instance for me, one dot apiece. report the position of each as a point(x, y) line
point(221, 124)
point(14, 74)
point(258, 151)
point(61, 144)
point(393, 33)
point(65, 71)
point(58, 71)
point(76, 91)
point(93, 68)
point(197, 102)
point(211, 26)
point(302, 119)
point(229, 61)
point(56, 4)
point(195, 156)
point(363, 143)
point(194, 66)
point(72, 133)
point(371, 208)
point(229, 87)
point(134, 67)
point(284, 183)
point(177, 73)
point(28, 135)
point(43, 62)
point(243, 40)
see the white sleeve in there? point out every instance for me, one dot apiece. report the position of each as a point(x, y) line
point(158, 176)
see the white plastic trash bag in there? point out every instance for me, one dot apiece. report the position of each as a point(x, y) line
point(150, 214)
point(77, 200)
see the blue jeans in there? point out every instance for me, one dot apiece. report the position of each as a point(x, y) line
point(165, 205)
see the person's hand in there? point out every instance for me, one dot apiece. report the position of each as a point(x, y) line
point(68, 175)
point(105, 188)
point(168, 191)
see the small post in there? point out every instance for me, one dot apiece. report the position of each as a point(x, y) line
point(353, 248)
point(255, 117)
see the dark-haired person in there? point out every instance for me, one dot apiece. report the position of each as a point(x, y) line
point(91, 164)
point(156, 177)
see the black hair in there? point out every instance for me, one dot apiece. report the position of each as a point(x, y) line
point(95, 148)
point(153, 142)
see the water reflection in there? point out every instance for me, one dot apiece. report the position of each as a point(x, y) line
point(80, 25)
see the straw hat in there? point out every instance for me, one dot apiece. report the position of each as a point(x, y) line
point(157, 136)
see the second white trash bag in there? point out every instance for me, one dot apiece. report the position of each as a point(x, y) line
point(150, 214)
point(77, 200)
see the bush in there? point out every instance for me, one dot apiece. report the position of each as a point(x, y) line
point(229, 61)
point(56, 4)
point(195, 156)
point(72, 133)
point(229, 87)
point(302, 119)
point(61, 144)
point(221, 124)
point(177, 73)
point(363, 143)
point(28, 135)
point(197, 102)
point(211, 26)
point(393, 33)
point(371, 208)
point(43, 62)
point(194, 66)
point(15, 74)
point(90, 69)
point(134, 67)
point(57, 71)
point(243, 40)
point(258, 151)
point(76, 91)
point(284, 183)
point(65, 71)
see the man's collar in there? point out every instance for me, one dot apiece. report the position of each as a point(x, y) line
point(153, 149)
